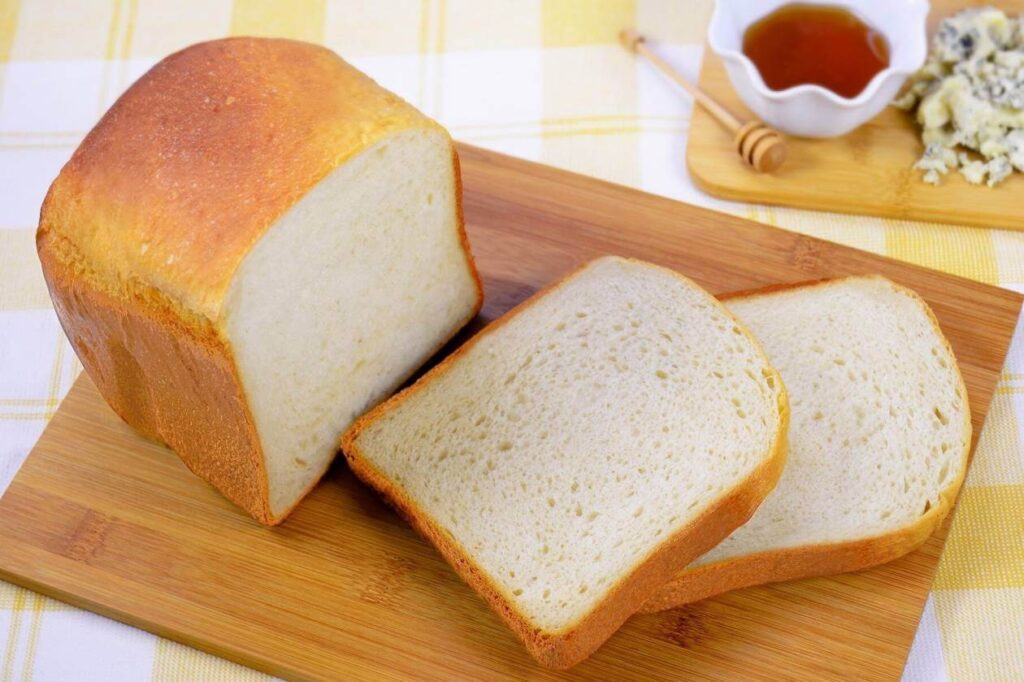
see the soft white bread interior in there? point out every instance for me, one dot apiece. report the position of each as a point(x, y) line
point(350, 291)
point(253, 246)
point(581, 449)
point(878, 440)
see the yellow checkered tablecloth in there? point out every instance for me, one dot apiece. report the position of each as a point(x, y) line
point(540, 79)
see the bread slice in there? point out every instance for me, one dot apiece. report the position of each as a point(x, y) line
point(253, 246)
point(878, 442)
point(574, 455)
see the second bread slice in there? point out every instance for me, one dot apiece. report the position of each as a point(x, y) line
point(578, 452)
point(879, 439)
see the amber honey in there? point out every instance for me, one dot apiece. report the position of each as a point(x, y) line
point(814, 44)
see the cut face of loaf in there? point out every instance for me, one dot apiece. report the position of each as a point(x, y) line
point(878, 440)
point(582, 448)
point(255, 245)
point(352, 290)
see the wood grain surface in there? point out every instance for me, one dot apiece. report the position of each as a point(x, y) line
point(105, 520)
point(867, 171)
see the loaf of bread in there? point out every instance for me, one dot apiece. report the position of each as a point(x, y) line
point(581, 450)
point(252, 247)
point(878, 440)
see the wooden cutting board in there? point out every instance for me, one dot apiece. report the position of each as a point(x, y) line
point(867, 171)
point(105, 520)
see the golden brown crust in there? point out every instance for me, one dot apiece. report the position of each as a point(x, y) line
point(460, 219)
point(202, 154)
point(772, 289)
point(561, 650)
point(790, 564)
point(145, 226)
point(826, 558)
point(171, 381)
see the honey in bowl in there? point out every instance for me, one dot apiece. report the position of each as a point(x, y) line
point(822, 45)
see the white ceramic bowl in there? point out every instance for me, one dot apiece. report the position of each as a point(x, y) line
point(811, 110)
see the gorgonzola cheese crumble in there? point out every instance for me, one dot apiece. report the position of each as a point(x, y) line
point(969, 98)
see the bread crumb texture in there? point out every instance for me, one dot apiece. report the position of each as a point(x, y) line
point(880, 424)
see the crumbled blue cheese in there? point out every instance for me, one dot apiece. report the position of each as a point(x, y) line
point(999, 169)
point(974, 171)
point(937, 160)
point(969, 97)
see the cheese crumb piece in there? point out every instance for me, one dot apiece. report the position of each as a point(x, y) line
point(969, 97)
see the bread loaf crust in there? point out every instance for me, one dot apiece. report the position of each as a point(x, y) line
point(201, 156)
point(790, 564)
point(141, 233)
point(563, 649)
point(173, 382)
point(822, 559)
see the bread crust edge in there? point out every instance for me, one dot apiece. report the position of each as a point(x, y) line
point(163, 394)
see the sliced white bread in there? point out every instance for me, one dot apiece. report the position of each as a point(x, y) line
point(878, 441)
point(580, 451)
point(256, 244)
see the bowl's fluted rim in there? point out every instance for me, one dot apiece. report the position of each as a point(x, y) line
point(914, 53)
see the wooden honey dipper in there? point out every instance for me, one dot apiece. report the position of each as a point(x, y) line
point(761, 147)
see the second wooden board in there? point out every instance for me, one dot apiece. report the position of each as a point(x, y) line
point(867, 171)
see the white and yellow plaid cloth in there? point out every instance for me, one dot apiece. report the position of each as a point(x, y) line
point(540, 79)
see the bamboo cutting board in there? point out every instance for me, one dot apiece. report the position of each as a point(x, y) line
point(867, 171)
point(103, 519)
